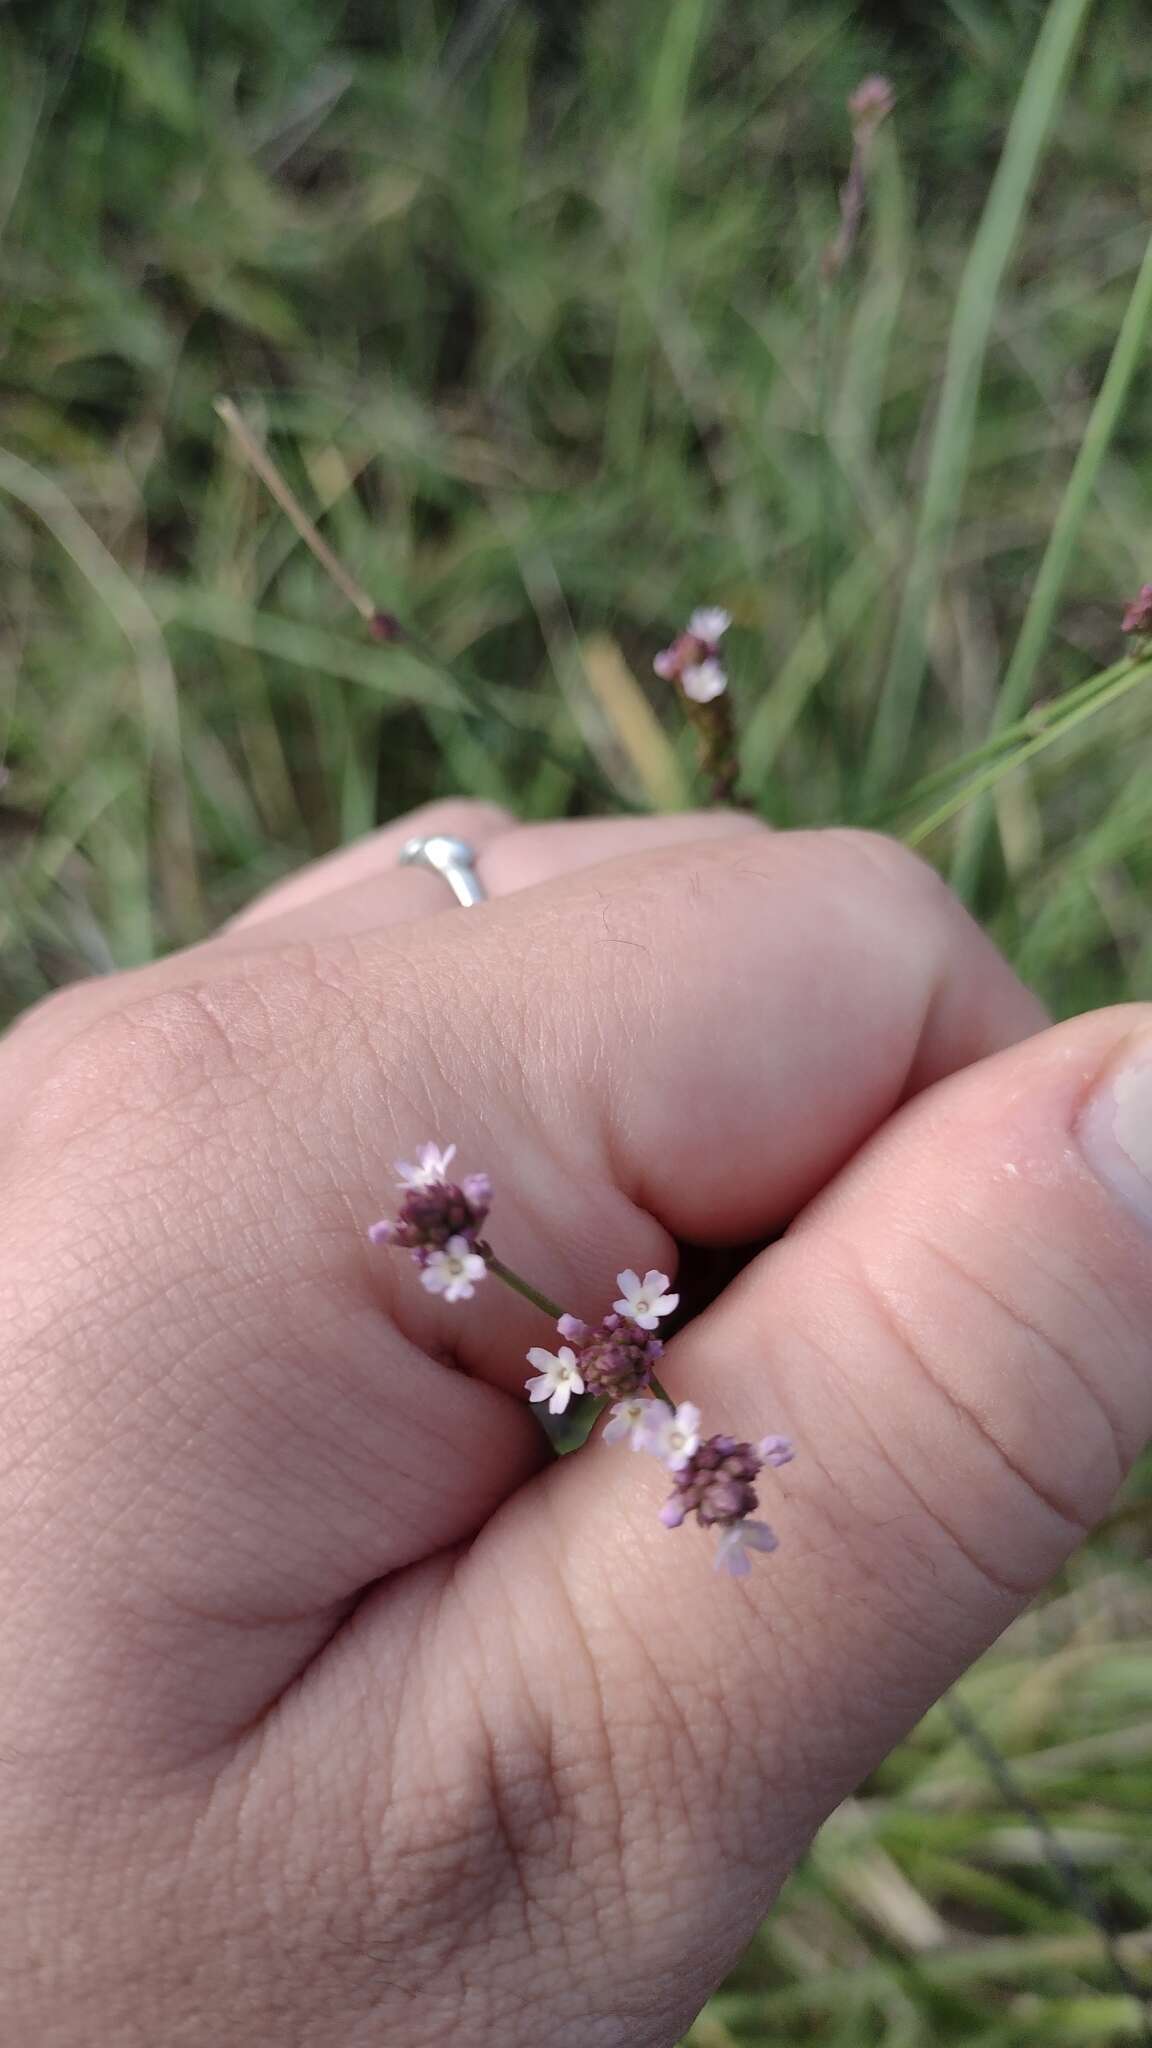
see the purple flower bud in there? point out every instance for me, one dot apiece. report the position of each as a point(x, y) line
point(618, 1358)
point(672, 1513)
point(776, 1450)
point(383, 1232)
point(715, 1484)
point(573, 1330)
point(385, 627)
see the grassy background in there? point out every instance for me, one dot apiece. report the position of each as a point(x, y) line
point(532, 312)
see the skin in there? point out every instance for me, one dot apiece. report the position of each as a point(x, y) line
point(331, 1713)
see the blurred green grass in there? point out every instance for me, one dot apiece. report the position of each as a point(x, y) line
point(533, 314)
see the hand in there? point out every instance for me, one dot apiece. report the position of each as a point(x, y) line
point(331, 1713)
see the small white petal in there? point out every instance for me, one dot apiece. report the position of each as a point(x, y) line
point(431, 1170)
point(627, 1422)
point(731, 1556)
point(559, 1377)
point(672, 1437)
point(709, 623)
point(703, 681)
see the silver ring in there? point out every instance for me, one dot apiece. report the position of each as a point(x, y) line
point(452, 858)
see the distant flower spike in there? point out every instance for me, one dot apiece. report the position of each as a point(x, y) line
point(693, 659)
point(1138, 617)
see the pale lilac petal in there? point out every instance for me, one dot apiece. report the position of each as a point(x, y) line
point(666, 664)
point(572, 1328)
point(672, 1513)
point(658, 1414)
point(382, 1232)
point(731, 1556)
point(539, 1386)
point(617, 1428)
point(434, 1162)
point(735, 1543)
point(628, 1282)
point(543, 1360)
point(776, 1450)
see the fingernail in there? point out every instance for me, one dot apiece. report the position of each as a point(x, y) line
point(1116, 1132)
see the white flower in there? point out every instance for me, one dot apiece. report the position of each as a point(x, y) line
point(432, 1169)
point(556, 1379)
point(735, 1543)
point(709, 624)
point(703, 680)
point(672, 1437)
point(644, 1301)
point(452, 1271)
point(627, 1422)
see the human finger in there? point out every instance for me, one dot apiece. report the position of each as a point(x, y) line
point(365, 889)
point(656, 1046)
point(956, 1337)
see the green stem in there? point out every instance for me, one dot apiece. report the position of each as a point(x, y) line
point(519, 1286)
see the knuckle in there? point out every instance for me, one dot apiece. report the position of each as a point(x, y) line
point(893, 865)
point(55, 1015)
point(140, 1057)
point(989, 1372)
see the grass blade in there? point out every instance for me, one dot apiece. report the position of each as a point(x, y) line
point(980, 283)
point(1053, 573)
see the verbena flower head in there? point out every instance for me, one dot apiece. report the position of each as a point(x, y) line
point(439, 1222)
point(643, 1302)
point(556, 1379)
point(693, 659)
point(716, 1484)
point(452, 1270)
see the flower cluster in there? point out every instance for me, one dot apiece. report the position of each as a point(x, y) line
point(693, 659)
point(439, 1223)
point(615, 1360)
